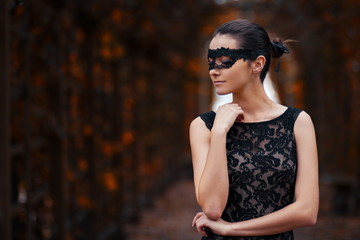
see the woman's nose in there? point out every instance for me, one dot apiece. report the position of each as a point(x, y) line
point(214, 71)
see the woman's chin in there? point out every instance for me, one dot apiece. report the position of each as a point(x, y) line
point(221, 92)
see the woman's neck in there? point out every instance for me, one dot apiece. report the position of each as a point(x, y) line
point(255, 103)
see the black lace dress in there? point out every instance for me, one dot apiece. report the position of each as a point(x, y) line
point(262, 166)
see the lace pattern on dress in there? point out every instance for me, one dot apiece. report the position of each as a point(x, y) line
point(262, 165)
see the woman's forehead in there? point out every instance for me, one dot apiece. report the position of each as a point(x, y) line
point(223, 41)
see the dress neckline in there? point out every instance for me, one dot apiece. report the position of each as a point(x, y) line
point(263, 122)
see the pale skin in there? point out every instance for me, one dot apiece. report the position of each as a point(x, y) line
point(250, 104)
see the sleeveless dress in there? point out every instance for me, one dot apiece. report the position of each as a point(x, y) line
point(262, 163)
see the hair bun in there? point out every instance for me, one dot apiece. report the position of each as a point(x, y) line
point(278, 49)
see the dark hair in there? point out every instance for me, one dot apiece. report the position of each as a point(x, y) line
point(250, 35)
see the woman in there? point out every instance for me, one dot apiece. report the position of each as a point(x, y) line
point(254, 160)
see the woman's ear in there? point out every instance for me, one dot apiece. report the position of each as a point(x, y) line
point(258, 64)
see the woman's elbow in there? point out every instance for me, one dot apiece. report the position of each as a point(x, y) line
point(213, 213)
point(309, 217)
point(212, 207)
point(212, 210)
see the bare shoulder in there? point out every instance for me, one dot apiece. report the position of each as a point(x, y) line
point(198, 125)
point(197, 122)
point(303, 120)
point(304, 127)
point(198, 131)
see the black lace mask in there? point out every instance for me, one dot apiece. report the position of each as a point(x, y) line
point(233, 54)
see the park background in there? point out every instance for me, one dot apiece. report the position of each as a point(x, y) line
point(96, 98)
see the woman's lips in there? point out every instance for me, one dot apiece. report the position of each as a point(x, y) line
point(217, 83)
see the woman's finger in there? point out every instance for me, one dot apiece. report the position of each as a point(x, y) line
point(201, 226)
point(201, 230)
point(197, 216)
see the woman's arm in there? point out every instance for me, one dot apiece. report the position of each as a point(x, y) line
point(303, 212)
point(208, 149)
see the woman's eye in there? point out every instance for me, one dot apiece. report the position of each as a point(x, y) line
point(227, 63)
point(225, 59)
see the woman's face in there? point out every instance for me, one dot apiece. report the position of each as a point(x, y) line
point(228, 80)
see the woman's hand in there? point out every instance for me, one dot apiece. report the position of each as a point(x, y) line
point(201, 230)
point(226, 115)
point(204, 224)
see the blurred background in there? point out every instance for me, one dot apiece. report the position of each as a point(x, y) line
point(97, 96)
